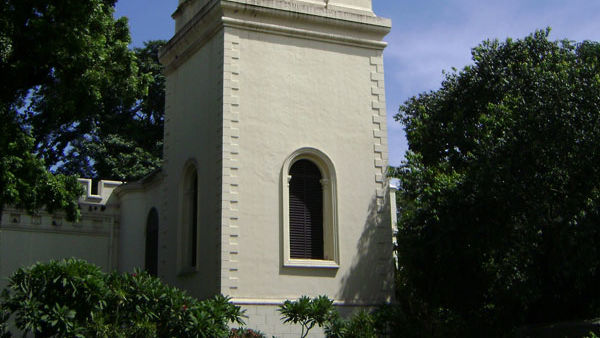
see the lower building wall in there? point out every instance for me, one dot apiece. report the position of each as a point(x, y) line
point(27, 239)
point(21, 248)
point(267, 319)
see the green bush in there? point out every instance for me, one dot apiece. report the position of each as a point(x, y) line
point(4, 314)
point(360, 325)
point(56, 298)
point(411, 318)
point(245, 333)
point(308, 312)
point(320, 311)
point(74, 298)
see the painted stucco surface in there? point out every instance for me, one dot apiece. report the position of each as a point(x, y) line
point(298, 93)
point(28, 247)
point(248, 84)
point(27, 239)
point(192, 137)
point(135, 202)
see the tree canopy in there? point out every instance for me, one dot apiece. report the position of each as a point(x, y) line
point(127, 144)
point(74, 98)
point(500, 190)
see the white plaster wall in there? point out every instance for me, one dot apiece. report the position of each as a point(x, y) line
point(132, 231)
point(183, 16)
point(193, 130)
point(298, 93)
point(21, 248)
point(135, 205)
point(239, 107)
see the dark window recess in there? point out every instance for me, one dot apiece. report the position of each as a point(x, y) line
point(194, 221)
point(151, 262)
point(306, 211)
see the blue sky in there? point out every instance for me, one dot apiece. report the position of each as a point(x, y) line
point(428, 36)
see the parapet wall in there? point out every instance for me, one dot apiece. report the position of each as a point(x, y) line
point(29, 238)
point(105, 190)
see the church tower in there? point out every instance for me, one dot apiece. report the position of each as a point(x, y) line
point(275, 155)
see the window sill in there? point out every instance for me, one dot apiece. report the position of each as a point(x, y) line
point(311, 263)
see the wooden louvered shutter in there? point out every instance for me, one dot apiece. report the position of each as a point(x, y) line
point(306, 211)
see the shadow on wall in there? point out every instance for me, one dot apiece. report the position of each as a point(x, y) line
point(370, 280)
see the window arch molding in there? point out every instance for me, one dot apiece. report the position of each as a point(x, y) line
point(188, 218)
point(328, 182)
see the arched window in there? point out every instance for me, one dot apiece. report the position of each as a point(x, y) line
point(309, 210)
point(306, 211)
point(189, 220)
point(193, 239)
point(151, 261)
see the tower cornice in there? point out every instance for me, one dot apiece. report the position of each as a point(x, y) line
point(198, 21)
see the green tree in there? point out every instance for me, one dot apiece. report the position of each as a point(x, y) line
point(127, 145)
point(73, 97)
point(24, 181)
point(500, 201)
point(70, 68)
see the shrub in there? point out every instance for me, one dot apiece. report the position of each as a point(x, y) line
point(321, 312)
point(59, 297)
point(360, 325)
point(4, 314)
point(308, 312)
point(245, 333)
point(74, 298)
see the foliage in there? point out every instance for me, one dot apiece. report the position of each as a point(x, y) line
point(70, 65)
point(245, 333)
point(75, 98)
point(308, 312)
point(74, 298)
point(360, 325)
point(56, 298)
point(24, 181)
point(411, 317)
point(499, 206)
point(320, 311)
point(383, 321)
point(4, 317)
point(126, 145)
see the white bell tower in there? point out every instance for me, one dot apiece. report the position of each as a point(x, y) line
point(275, 154)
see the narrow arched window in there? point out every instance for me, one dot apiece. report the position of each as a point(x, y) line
point(309, 210)
point(189, 220)
point(305, 211)
point(151, 261)
point(193, 219)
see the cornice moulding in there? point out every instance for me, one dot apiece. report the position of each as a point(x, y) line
point(274, 17)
